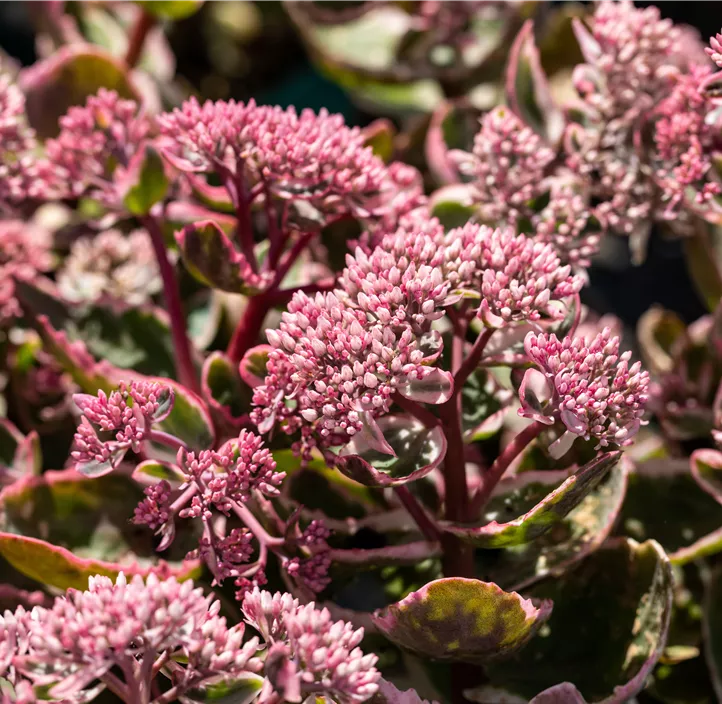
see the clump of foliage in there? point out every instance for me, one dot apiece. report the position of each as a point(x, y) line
point(286, 418)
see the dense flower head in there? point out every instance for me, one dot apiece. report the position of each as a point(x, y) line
point(24, 252)
point(228, 475)
point(312, 571)
point(336, 366)
point(636, 57)
point(569, 223)
point(95, 145)
point(114, 423)
point(117, 624)
point(22, 173)
point(685, 140)
point(507, 166)
point(304, 156)
point(314, 653)
point(714, 50)
point(595, 391)
point(516, 277)
point(111, 264)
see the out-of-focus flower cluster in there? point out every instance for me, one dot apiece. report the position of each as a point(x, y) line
point(112, 266)
point(145, 628)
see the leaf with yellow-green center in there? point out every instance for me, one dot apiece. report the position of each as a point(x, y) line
point(462, 620)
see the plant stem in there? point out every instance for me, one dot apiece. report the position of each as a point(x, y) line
point(249, 327)
point(115, 685)
point(259, 532)
point(501, 464)
point(166, 439)
point(185, 368)
point(417, 512)
point(142, 26)
point(470, 364)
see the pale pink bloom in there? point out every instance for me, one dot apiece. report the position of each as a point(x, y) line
point(594, 390)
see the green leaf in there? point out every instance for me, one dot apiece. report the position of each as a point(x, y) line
point(608, 628)
point(170, 9)
point(67, 78)
point(417, 451)
point(660, 489)
point(657, 331)
point(514, 496)
point(452, 205)
point(379, 135)
point(703, 265)
point(582, 531)
point(225, 393)
point(483, 405)
point(462, 620)
point(153, 471)
point(210, 256)
point(706, 466)
point(144, 183)
point(241, 690)
point(60, 528)
point(190, 419)
point(253, 365)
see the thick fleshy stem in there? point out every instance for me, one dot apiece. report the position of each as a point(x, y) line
point(416, 511)
point(501, 464)
point(142, 26)
point(470, 364)
point(183, 357)
point(249, 327)
point(259, 532)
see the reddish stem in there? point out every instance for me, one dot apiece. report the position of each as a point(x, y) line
point(501, 464)
point(185, 368)
point(249, 327)
point(417, 512)
point(142, 26)
point(470, 364)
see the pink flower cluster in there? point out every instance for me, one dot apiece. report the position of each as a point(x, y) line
point(686, 142)
point(135, 626)
point(515, 277)
point(507, 167)
point(24, 252)
point(22, 174)
point(308, 652)
point(312, 571)
point(95, 146)
point(594, 390)
point(113, 424)
point(309, 157)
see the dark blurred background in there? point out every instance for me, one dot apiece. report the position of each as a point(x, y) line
point(247, 49)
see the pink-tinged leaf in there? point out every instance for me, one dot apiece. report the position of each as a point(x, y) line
point(531, 406)
point(215, 197)
point(189, 419)
point(60, 528)
point(564, 693)
point(707, 545)
point(253, 365)
point(463, 620)
point(417, 451)
point(527, 88)
point(144, 183)
point(607, 631)
point(591, 51)
point(437, 150)
point(406, 554)
point(20, 455)
point(223, 391)
point(210, 256)
point(578, 535)
point(151, 472)
point(706, 466)
point(436, 387)
point(379, 135)
point(703, 266)
point(388, 694)
point(182, 213)
point(657, 331)
point(67, 78)
point(662, 488)
point(511, 496)
point(454, 207)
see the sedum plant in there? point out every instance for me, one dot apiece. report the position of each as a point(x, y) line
point(285, 419)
